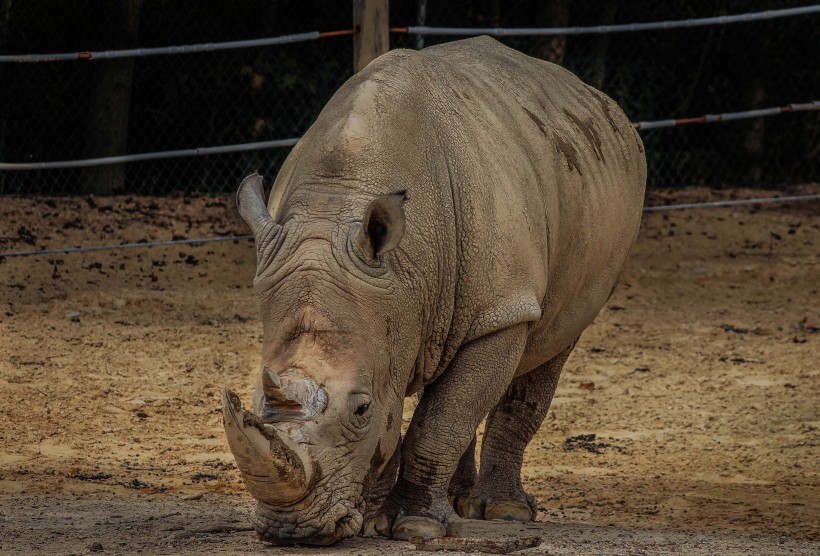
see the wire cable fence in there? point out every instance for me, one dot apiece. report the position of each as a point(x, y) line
point(279, 143)
point(168, 50)
point(730, 116)
point(205, 240)
point(200, 116)
point(600, 29)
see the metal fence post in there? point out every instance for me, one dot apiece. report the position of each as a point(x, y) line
point(372, 39)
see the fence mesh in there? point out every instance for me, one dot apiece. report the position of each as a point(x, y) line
point(84, 109)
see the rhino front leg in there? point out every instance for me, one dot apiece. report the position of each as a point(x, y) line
point(498, 493)
point(465, 477)
point(376, 493)
point(442, 428)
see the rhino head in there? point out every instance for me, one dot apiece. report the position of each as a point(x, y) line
point(327, 406)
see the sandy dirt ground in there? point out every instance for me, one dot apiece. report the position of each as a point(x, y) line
point(687, 420)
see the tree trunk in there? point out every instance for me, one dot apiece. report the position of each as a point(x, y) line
point(5, 11)
point(600, 46)
point(372, 19)
point(495, 13)
point(553, 13)
point(754, 142)
point(421, 20)
point(107, 128)
point(5, 16)
point(754, 138)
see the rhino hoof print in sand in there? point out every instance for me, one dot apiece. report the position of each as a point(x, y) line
point(453, 221)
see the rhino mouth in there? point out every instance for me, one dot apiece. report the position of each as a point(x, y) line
point(285, 528)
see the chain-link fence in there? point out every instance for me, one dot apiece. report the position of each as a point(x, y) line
point(83, 109)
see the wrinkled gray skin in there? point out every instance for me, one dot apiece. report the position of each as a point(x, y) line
point(453, 221)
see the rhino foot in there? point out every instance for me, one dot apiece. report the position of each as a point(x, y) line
point(474, 507)
point(410, 526)
point(404, 522)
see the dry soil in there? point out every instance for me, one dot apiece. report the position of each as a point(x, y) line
point(686, 421)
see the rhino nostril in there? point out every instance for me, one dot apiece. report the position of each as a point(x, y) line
point(275, 410)
point(284, 405)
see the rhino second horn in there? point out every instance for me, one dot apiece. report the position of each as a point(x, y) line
point(271, 382)
point(273, 472)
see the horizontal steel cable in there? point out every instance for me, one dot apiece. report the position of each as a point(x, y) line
point(167, 50)
point(599, 29)
point(201, 151)
point(262, 145)
point(734, 203)
point(418, 30)
point(730, 116)
point(123, 246)
point(195, 242)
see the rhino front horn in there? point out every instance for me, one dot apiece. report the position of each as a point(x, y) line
point(273, 472)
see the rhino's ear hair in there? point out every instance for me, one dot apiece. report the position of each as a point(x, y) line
point(383, 224)
point(250, 204)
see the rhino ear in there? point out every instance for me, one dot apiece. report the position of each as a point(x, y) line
point(383, 224)
point(250, 204)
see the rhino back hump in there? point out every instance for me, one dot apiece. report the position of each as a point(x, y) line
point(549, 180)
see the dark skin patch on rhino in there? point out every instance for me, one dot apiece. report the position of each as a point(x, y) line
point(377, 460)
point(376, 487)
point(335, 162)
point(566, 149)
point(589, 131)
point(515, 397)
point(569, 153)
point(376, 463)
point(605, 106)
point(461, 94)
point(541, 125)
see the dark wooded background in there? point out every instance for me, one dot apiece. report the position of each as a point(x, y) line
point(82, 109)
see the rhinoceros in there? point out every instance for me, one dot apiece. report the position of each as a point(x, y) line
point(450, 224)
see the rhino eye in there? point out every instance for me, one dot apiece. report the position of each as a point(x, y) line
point(360, 410)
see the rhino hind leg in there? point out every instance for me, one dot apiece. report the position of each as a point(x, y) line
point(498, 493)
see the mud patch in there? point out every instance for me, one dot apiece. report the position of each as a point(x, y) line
point(588, 442)
point(569, 153)
point(91, 477)
point(606, 108)
point(589, 131)
point(563, 146)
point(473, 544)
